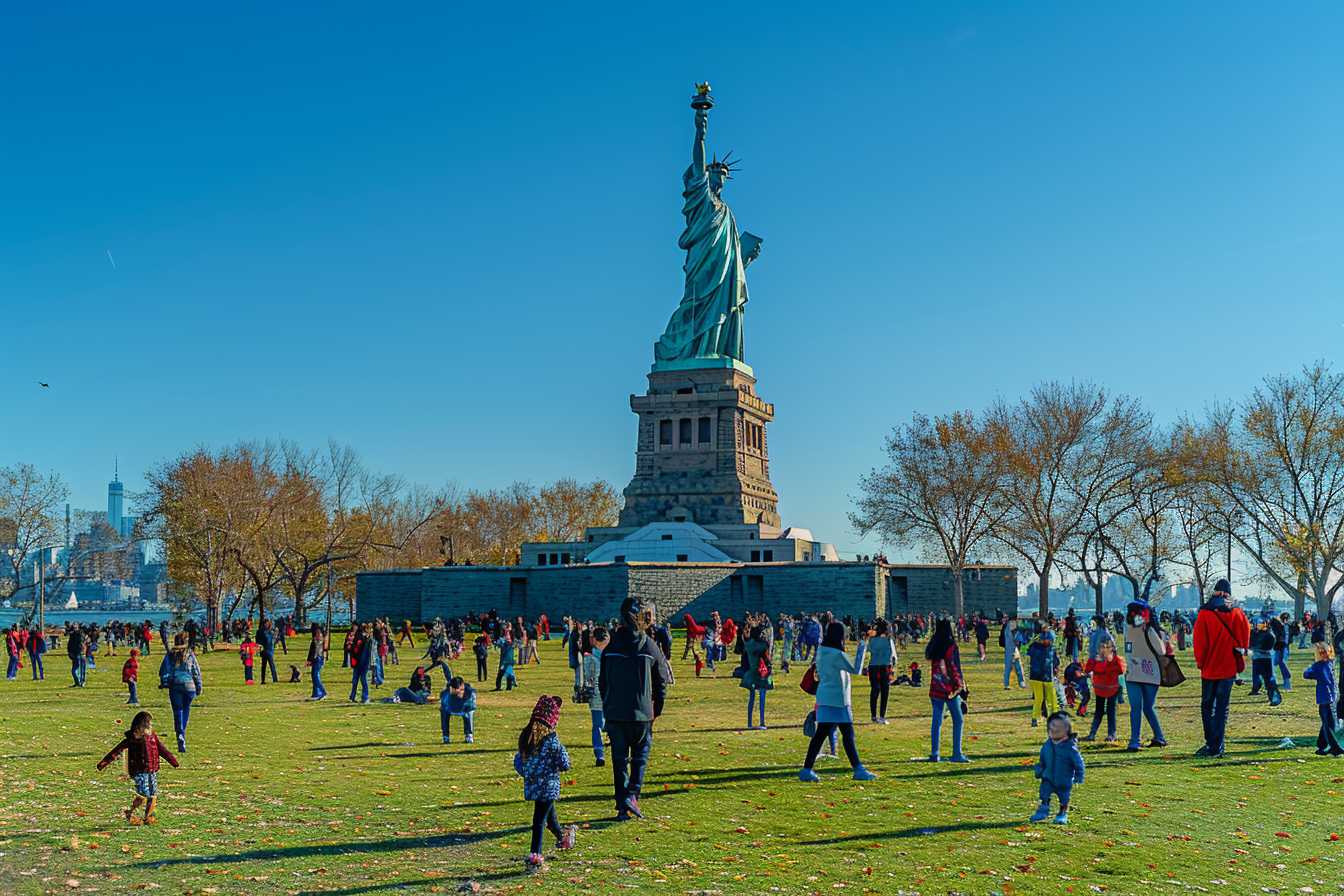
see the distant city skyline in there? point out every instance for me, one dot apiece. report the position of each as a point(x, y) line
point(451, 243)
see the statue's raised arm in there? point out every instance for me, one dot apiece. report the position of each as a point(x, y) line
point(698, 148)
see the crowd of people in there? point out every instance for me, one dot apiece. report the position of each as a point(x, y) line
point(622, 670)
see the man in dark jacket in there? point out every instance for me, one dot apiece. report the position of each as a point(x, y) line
point(266, 642)
point(632, 679)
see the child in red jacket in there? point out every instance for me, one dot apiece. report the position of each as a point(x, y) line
point(246, 651)
point(1105, 670)
point(143, 750)
point(130, 674)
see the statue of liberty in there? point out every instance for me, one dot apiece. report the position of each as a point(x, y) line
point(708, 322)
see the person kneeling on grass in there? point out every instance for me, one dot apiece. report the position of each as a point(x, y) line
point(143, 749)
point(540, 760)
point(1060, 767)
point(458, 699)
point(416, 692)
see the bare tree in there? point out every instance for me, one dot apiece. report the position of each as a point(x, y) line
point(1064, 447)
point(938, 492)
point(1277, 461)
point(29, 519)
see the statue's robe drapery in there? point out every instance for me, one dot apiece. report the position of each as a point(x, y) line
point(708, 322)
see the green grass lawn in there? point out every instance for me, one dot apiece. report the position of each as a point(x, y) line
point(282, 796)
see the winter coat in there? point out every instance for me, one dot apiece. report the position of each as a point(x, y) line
point(833, 672)
point(1061, 764)
point(1327, 692)
point(881, 652)
point(632, 677)
point(130, 670)
point(541, 771)
point(1220, 631)
point(1141, 645)
point(592, 668)
point(142, 754)
point(455, 705)
point(175, 675)
point(1044, 660)
point(1106, 675)
point(945, 680)
point(753, 651)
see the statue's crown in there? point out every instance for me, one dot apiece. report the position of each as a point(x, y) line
point(727, 164)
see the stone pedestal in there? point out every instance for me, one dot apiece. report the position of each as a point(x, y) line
point(702, 454)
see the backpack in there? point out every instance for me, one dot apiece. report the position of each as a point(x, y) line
point(179, 676)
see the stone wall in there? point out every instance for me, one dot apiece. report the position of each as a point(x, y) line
point(596, 592)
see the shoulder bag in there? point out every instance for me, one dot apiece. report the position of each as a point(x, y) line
point(1170, 671)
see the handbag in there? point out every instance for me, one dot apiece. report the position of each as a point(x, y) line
point(809, 682)
point(1169, 671)
point(1237, 654)
point(810, 724)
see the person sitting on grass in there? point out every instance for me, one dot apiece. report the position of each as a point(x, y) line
point(143, 751)
point(1060, 767)
point(539, 761)
point(458, 699)
point(416, 692)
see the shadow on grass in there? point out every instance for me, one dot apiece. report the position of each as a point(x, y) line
point(392, 844)
point(923, 831)
point(421, 885)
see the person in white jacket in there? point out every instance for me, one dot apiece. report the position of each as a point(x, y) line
point(833, 708)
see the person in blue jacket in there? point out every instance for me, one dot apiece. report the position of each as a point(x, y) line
point(1060, 767)
point(1327, 693)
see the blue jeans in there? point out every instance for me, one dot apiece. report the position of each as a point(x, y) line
point(598, 724)
point(1281, 663)
point(77, 670)
point(751, 700)
point(1012, 662)
point(1062, 791)
point(630, 746)
point(35, 660)
point(1214, 697)
point(319, 689)
point(133, 698)
point(359, 676)
point(268, 659)
point(1142, 705)
point(445, 715)
point(377, 671)
point(952, 705)
point(180, 699)
point(12, 670)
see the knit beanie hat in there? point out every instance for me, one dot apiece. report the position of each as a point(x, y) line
point(1223, 587)
point(547, 710)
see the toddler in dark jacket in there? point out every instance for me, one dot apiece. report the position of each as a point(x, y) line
point(1060, 767)
point(143, 750)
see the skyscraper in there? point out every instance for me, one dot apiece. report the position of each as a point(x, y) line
point(115, 501)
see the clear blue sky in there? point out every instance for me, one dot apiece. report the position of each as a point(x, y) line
point(447, 234)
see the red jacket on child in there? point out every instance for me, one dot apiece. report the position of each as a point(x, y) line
point(142, 754)
point(1105, 675)
point(130, 671)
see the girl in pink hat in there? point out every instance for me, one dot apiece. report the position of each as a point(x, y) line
point(540, 760)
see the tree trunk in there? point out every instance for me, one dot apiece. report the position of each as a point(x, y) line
point(300, 613)
point(958, 593)
point(1044, 593)
point(1099, 592)
point(1300, 598)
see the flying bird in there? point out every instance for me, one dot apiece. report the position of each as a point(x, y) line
point(44, 385)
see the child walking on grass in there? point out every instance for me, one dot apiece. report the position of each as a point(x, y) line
point(130, 674)
point(540, 760)
point(1105, 670)
point(1060, 767)
point(246, 651)
point(143, 750)
point(1323, 671)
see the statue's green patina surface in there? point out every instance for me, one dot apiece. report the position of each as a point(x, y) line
point(706, 328)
